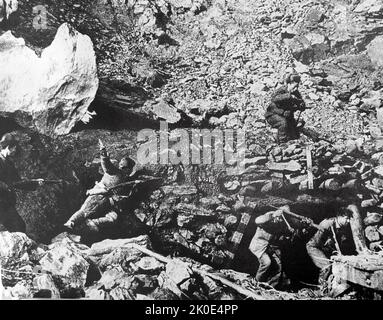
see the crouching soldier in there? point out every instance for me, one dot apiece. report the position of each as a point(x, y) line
point(100, 210)
point(270, 228)
point(284, 102)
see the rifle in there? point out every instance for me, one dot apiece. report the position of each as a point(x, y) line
point(297, 216)
point(34, 183)
point(128, 183)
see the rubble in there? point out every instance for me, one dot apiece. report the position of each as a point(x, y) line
point(214, 64)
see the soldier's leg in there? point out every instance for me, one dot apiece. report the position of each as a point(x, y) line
point(94, 226)
point(109, 219)
point(320, 260)
point(93, 206)
point(264, 266)
point(279, 122)
point(12, 220)
point(275, 277)
point(292, 129)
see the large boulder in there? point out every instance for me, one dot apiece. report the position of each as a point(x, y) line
point(50, 93)
point(15, 247)
point(67, 266)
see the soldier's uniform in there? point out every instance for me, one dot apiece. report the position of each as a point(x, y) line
point(280, 113)
point(322, 245)
point(100, 211)
point(264, 246)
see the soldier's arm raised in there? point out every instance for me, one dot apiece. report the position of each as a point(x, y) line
point(106, 165)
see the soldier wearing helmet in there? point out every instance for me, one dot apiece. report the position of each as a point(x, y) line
point(284, 102)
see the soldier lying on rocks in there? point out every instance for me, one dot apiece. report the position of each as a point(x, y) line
point(284, 102)
point(100, 209)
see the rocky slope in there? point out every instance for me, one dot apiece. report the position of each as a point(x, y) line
point(204, 64)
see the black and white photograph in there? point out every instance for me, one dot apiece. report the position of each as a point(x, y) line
point(207, 151)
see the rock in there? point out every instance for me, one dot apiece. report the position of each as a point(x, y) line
point(96, 294)
point(377, 182)
point(110, 278)
point(368, 203)
point(291, 166)
point(107, 246)
point(178, 271)
point(189, 214)
point(22, 290)
point(223, 209)
point(288, 33)
point(230, 221)
point(66, 237)
point(374, 50)
point(121, 294)
point(210, 202)
point(379, 170)
point(255, 161)
point(70, 241)
point(331, 184)
point(315, 38)
point(67, 265)
point(149, 265)
point(50, 94)
point(212, 231)
point(369, 6)
point(376, 246)
point(45, 282)
point(301, 49)
point(165, 111)
point(372, 233)
point(186, 4)
point(180, 190)
point(14, 246)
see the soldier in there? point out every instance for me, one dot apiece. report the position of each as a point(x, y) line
point(100, 209)
point(264, 245)
point(284, 102)
point(10, 180)
point(325, 242)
